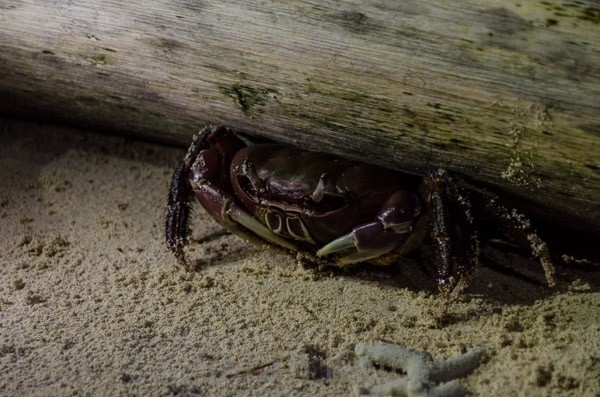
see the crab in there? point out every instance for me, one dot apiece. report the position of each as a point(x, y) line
point(341, 210)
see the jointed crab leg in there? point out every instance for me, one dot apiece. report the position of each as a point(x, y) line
point(178, 213)
point(454, 264)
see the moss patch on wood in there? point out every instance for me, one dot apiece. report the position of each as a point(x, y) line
point(249, 99)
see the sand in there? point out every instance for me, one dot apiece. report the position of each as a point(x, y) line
point(91, 302)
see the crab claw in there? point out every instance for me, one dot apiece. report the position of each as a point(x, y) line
point(371, 240)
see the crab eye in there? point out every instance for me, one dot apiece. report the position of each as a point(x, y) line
point(324, 200)
point(319, 192)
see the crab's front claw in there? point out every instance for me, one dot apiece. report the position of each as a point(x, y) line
point(210, 151)
point(213, 193)
point(371, 240)
point(224, 209)
point(368, 241)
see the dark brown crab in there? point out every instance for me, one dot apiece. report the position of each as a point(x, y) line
point(346, 211)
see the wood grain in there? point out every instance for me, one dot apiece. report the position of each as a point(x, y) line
point(506, 94)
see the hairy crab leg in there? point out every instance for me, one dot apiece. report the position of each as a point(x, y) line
point(454, 265)
point(181, 195)
point(516, 226)
point(178, 213)
point(441, 244)
point(513, 224)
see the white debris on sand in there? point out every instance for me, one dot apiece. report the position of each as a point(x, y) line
point(424, 377)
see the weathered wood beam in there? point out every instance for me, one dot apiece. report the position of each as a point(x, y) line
point(505, 93)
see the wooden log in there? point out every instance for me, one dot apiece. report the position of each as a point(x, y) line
point(506, 94)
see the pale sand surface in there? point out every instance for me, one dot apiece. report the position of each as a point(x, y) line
point(91, 302)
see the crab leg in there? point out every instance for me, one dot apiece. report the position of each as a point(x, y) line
point(454, 263)
point(178, 214)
